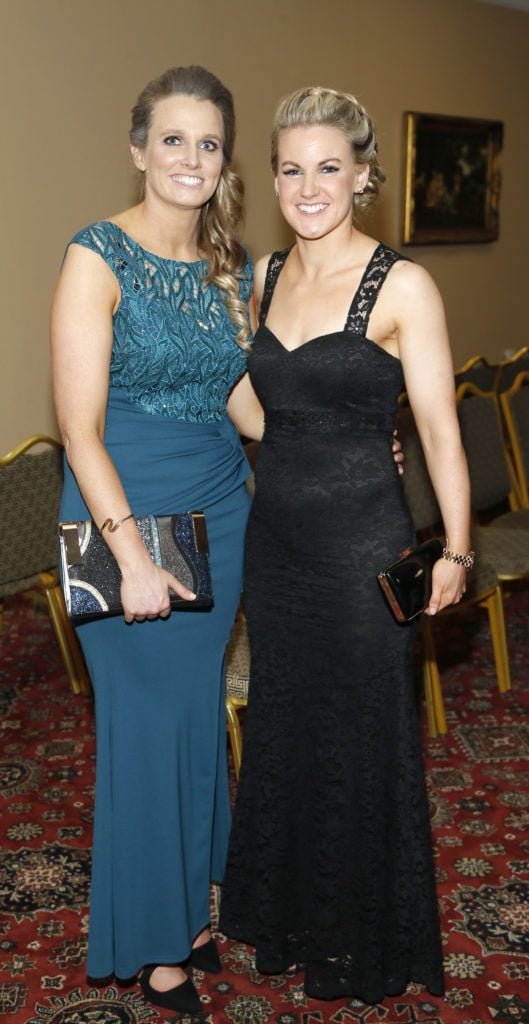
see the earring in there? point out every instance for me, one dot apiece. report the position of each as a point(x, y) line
point(359, 192)
point(276, 194)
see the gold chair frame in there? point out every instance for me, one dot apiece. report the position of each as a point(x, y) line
point(47, 586)
point(521, 353)
point(469, 388)
point(492, 601)
point(238, 644)
point(234, 731)
point(489, 598)
point(473, 363)
point(237, 655)
point(513, 435)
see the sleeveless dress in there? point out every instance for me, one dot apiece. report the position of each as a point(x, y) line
point(162, 811)
point(330, 861)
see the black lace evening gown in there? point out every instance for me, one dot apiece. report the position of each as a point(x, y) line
point(330, 861)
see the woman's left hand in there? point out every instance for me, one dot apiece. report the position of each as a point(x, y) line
point(398, 454)
point(449, 583)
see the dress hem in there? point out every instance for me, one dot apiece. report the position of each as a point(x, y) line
point(434, 988)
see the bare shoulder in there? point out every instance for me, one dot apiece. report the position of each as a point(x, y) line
point(259, 277)
point(414, 305)
point(409, 281)
point(85, 278)
point(87, 266)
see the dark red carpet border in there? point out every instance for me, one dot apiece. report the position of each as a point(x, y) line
point(478, 778)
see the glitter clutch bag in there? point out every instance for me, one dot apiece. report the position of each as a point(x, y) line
point(407, 584)
point(90, 576)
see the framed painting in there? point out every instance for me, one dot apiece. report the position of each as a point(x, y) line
point(452, 179)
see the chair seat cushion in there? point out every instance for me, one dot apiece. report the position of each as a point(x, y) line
point(504, 550)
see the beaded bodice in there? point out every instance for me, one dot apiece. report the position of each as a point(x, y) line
point(174, 348)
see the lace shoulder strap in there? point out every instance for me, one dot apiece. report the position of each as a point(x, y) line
point(365, 297)
point(273, 270)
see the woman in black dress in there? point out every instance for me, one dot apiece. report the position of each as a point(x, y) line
point(330, 861)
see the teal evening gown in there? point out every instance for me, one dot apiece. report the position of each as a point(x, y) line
point(162, 812)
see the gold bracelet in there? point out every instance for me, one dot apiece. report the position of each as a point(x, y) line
point(465, 560)
point(112, 526)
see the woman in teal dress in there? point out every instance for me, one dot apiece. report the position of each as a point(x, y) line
point(149, 337)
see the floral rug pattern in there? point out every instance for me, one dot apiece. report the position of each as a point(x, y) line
point(478, 779)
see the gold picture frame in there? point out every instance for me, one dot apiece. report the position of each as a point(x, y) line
point(452, 179)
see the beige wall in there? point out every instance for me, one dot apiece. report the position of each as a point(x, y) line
point(71, 70)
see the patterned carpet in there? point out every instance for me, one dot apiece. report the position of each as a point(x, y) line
point(479, 785)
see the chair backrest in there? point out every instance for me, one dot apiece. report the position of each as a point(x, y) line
point(515, 407)
point(510, 368)
point(479, 371)
point(491, 475)
point(418, 489)
point(30, 490)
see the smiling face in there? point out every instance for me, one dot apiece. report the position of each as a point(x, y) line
point(316, 179)
point(182, 158)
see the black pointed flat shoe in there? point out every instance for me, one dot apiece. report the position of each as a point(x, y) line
point(206, 957)
point(183, 998)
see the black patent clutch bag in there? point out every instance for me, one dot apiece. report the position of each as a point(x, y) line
point(407, 584)
point(90, 575)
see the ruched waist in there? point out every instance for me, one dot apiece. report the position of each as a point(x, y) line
point(324, 421)
point(166, 465)
point(125, 418)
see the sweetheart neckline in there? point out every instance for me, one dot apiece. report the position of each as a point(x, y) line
point(330, 334)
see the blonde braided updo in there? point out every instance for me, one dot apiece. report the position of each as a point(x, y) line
point(315, 105)
point(222, 215)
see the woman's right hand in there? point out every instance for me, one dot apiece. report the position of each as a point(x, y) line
point(145, 592)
